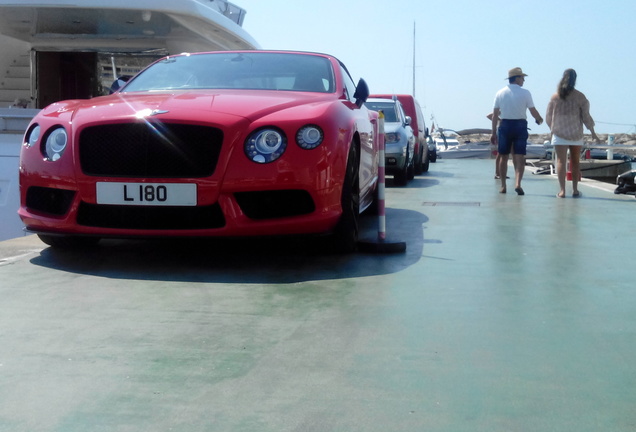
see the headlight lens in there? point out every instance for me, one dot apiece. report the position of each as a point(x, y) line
point(392, 137)
point(265, 145)
point(32, 136)
point(55, 144)
point(309, 137)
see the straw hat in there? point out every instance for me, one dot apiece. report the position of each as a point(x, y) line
point(516, 72)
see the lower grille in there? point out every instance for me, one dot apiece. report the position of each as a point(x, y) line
point(48, 200)
point(150, 149)
point(150, 218)
point(275, 204)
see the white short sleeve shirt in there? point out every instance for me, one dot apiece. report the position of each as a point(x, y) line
point(513, 102)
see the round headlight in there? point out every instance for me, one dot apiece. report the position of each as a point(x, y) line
point(309, 137)
point(33, 136)
point(55, 144)
point(265, 145)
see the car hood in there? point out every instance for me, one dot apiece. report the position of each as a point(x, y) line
point(392, 127)
point(218, 106)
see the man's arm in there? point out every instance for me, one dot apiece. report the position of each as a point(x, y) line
point(495, 121)
point(536, 115)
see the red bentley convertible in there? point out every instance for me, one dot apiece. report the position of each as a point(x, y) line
point(232, 143)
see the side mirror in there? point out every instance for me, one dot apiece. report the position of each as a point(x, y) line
point(407, 121)
point(119, 83)
point(362, 93)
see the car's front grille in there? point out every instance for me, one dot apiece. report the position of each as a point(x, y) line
point(150, 149)
point(150, 218)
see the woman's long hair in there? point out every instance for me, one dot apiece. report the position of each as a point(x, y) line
point(567, 83)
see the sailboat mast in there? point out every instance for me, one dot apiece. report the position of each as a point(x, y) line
point(413, 58)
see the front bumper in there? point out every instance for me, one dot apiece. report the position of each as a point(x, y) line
point(395, 158)
point(247, 213)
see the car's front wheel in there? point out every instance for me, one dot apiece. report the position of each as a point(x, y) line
point(345, 236)
point(433, 156)
point(410, 170)
point(427, 162)
point(419, 162)
point(401, 177)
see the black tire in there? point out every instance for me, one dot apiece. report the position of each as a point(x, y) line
point(68, 242)
point(410, 170)
point(401, 178)
point(345, 236)
point(419, 164)
point(427, 163)
point(433, 157)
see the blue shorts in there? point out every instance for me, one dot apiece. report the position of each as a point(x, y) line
point(512, 134)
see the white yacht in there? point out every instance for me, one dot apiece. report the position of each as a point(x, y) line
point(75, 49)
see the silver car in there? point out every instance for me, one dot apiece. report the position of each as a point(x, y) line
point(399, 139)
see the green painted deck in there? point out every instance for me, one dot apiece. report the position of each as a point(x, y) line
point(506, 313)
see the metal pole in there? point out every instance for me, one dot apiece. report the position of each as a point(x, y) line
point(381, 181)
point(413, 58)
point(381, 244)
point(114, 66)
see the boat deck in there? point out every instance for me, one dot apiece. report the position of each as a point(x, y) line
point(505, 313)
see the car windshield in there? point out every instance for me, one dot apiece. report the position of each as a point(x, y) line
point(238, 70)
point(388, 108)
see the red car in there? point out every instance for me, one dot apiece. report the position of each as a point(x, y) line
point(232, 143)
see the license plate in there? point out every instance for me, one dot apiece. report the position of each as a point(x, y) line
point(147, 194)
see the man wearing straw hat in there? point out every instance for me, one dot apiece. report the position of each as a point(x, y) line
point(511, 103)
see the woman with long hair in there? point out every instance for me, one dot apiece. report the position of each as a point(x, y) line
point(568, 110)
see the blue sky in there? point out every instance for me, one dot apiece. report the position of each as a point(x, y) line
point(464, 48)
